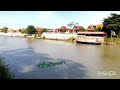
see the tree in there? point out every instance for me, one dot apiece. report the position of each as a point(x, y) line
point(5, 29)
point(98, 29)
point(82, 29)
point(75, 27)
point(63, 29)
point(23, 30)
point(9, 30)
point(79, 29)
point(30, 29)
point(41, 31)
point(1, 29)
point(112, 23)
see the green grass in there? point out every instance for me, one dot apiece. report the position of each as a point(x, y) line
point(71, 39)
point(112, 40)
point(4, 71)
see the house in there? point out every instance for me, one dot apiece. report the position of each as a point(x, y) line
point(74, 29)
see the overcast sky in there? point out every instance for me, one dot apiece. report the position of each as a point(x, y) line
point(51, 19)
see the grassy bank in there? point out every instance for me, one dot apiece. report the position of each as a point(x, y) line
point(71, 39)
point(108, 41)
point(4, 71)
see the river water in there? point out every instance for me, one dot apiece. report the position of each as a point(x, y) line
point(81, 61)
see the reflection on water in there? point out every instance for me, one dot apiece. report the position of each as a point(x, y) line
point(82, 61)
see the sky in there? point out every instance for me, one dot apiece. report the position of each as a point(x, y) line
point(51, 19)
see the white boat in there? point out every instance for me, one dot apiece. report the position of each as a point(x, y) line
point(88, 38)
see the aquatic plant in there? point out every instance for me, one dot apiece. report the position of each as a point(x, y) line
point(4, 71)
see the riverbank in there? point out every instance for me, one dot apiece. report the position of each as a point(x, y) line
point(111, 41)
point(13, 34)
point(68, 38)
point(71, 39)
point(23, 55)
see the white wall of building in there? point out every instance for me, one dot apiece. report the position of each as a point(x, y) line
point(58, 35)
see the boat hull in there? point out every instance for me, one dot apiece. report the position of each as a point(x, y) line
point(93, 43)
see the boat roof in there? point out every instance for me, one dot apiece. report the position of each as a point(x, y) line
point(91, 33)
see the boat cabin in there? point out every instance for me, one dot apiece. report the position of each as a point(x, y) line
point(99, 34)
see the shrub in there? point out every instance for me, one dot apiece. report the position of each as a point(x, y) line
point(71, 39)
point(4, 70)
point(43, 37)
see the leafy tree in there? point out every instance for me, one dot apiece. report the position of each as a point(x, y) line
point(1, 29)
point(23, 30)
point(82, 29)
point(5, 29)
point(30, 29)
point(98, 29)
point(63, 30)
point(41, 31)
point(112, 23)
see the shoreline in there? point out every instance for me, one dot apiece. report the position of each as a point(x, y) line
point(13, 34)
point(107, 41)
point(112, 41)
point(33, 36)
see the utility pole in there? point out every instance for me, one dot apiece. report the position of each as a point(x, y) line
point(111, 37)
point(111, 33)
